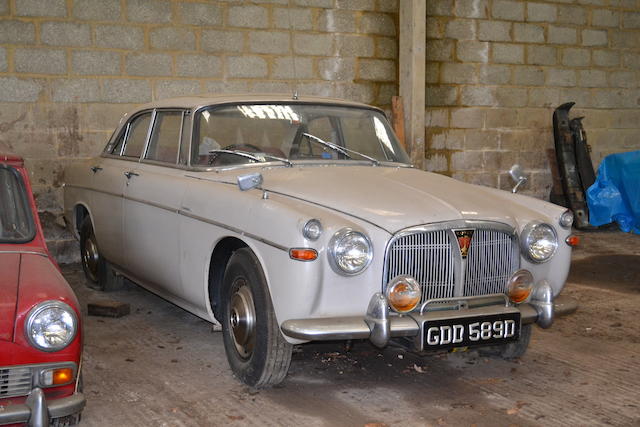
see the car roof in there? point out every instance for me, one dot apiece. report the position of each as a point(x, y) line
point(196, 101)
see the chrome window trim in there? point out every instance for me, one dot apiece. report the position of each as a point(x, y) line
point(147, 140)
point(155, 114)
point(451, 226)
point(180, 137)
point(126, 136)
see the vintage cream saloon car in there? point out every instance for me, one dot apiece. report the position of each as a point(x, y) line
point(292, 220)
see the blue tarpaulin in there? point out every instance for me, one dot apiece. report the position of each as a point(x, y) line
point(615, 196)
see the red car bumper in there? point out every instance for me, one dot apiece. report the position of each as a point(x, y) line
point(37, 411)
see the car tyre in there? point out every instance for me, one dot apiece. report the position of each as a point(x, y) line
point(256, 349)
point(97, 270)
point(513, 350)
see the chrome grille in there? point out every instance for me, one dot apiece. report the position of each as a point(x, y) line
point(15, 382)
point(433, 258)
point(426, 257)
point(490, 262)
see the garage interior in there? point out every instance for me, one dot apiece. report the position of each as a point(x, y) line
point(478, 81)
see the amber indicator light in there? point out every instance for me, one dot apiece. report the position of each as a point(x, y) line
point(62, 376)
point(573, 240)
point(303, 254)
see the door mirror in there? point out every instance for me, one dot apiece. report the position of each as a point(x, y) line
point(517, 174)
point(249, 181)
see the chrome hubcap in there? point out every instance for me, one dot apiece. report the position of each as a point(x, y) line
point(242, 320)
point(90, 257)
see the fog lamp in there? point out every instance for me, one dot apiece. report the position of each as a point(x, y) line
point(519, 286)
point(403, 293)
point(55, 377)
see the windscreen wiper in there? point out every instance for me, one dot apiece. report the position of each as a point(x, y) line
point(342, 150)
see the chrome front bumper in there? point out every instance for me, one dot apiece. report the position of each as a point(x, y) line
point(37, 412)
point(379, 326)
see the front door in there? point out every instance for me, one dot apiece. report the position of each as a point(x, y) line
point(153, 196)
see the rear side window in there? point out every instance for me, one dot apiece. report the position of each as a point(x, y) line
point(165, 138)
point(139, 129)
point(16, 219)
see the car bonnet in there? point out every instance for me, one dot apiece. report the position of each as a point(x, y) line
point(392, 198)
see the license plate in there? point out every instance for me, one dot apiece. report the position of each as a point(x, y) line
point(471, 331)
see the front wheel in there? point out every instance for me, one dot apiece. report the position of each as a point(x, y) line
point(97, 270)
point(256, 350)
point(512, 350)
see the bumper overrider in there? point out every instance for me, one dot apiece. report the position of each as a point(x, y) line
point(37, 412)
point(379, 325)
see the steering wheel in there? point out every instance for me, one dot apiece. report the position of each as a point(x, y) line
point(241, 146)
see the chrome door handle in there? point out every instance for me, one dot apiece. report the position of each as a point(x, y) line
point(95, 169)
point(130, 174)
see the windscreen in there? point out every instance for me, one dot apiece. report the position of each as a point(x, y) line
point(294, 132)
point(16, 220)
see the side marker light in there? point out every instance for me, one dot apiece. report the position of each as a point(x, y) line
point(303, 254)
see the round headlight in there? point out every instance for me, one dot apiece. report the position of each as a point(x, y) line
point(350, 252)
point(519, 286)
point(566, 219)
point(51, 326)
point(403, 294)
point(539, 241)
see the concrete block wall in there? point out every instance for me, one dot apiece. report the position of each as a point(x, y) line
point(70, 68)
point(496, 69)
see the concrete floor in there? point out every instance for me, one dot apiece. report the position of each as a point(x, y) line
point(161, 366)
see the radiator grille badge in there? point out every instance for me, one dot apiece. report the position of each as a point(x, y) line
point(464, 241)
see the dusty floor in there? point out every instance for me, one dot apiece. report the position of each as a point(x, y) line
point(161, 366)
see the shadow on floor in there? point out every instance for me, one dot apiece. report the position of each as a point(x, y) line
point(616, 272)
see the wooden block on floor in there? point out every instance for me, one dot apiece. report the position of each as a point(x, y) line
point(108, 308)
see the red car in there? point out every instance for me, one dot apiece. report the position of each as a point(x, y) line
point(40, 333)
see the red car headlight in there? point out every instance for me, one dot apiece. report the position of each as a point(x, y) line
point(51, 326)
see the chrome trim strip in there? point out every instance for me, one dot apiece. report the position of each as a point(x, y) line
point(152, 204)
point(83, 187)
point(183, 212)
point(26, 253)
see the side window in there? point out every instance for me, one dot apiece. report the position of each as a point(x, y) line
point(165, 137)
point(115, 147)
point(137, 135)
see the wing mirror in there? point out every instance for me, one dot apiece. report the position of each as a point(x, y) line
point(249, 181)
point(517, 174)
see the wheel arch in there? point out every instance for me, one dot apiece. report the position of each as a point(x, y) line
point(219, 258)
point(80, 212)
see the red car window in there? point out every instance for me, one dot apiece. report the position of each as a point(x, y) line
point(16, 219)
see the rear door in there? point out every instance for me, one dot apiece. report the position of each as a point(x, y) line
point(153, 196)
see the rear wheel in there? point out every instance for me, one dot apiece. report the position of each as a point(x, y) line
point(98, 271)
point(513, 350)
point(256, 350)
